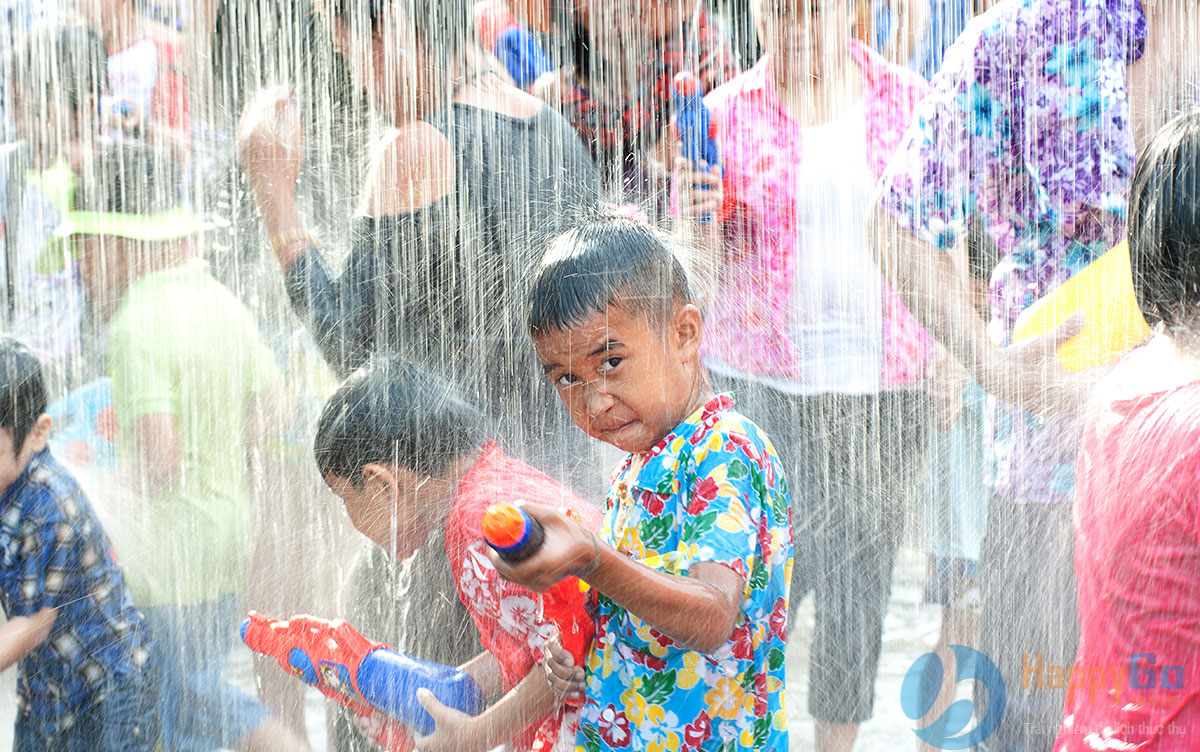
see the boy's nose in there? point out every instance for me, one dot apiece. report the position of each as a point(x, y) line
point(597, 400)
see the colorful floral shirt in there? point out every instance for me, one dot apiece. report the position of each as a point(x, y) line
point(761, 147)
point(711, 490)
point(1028, 126)
point(511, 625)
point(55, 554)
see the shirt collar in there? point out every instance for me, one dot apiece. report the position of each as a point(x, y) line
point(662, 461)
point(871, 64)
point(34, 463)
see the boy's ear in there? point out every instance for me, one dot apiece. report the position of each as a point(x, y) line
point(380, 475)
point(688, 325)
point(39, 435)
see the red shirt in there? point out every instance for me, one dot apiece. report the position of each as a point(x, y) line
point(506, 613)
point(1137, 559)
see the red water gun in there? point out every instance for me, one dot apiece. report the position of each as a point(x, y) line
point(516, 536)
point(361, 675)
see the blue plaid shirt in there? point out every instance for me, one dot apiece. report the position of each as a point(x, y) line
point(55, 554)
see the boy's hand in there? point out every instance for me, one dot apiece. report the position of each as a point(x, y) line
point(271, 142)
point(565, 678)
point(454, 731)
point(567, 549)
point(700, 192)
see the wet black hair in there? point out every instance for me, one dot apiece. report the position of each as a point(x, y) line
point(395, 411)
point(601, 262)
point(22, 390)
point(63, 60)
point(445, 26)
point(128, 178)
point(1164, 224)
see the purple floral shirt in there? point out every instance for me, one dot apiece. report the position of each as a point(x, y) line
point(1027, 125)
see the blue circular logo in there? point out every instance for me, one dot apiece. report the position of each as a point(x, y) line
point(924, 681)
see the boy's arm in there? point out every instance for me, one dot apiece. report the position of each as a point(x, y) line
point(159, 459)
point(698, 612)
point(20, 635)
point(485, 670)
point(525, 703)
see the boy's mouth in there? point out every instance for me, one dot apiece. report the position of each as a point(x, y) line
point(617, 430)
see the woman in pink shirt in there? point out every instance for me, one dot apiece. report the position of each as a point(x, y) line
point(1136, 682)
point(803, 327)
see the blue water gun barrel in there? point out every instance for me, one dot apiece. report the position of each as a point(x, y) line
point(389, 681)
point(694, 125)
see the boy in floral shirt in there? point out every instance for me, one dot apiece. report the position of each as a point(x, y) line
point(695, 555)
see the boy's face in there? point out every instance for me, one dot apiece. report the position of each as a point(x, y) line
point(14, 459)
point(391, 507)
point(624, 378)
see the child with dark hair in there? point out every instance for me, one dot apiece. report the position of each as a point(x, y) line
point(58, 78)
point(193, 388)
point(1137, 535)
point(86, 679)
point(411, 459)
point(694, 559)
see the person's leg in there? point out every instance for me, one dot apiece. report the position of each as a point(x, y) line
point(1029, 618)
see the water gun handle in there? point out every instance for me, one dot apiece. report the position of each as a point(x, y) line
point(694, 126)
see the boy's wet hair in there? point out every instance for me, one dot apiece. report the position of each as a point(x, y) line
point(1164, 224)
point(445, 26)
point(601, 262)
point(64, 62)
point(22, 390)
point(128, 178)
point(394, 411)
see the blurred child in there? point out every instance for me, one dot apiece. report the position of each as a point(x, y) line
point(57, 82)
point(193, 387)
point(85, 676)
point(694, 559)
point(410, 458)
point(1136, 683)
point(955, 495)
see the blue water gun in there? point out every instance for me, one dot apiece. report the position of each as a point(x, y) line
point(360, 674)
point(694, 125)
point(85, 426)
point(524, 58)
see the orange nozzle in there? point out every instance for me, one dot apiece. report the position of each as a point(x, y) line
point(504, 525)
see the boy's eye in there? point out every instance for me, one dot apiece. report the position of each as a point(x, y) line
point(610, 363)
point(567, 379)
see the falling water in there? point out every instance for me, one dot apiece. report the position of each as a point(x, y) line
point(446, 244)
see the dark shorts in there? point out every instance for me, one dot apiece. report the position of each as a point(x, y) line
point(125, 720)
point(200, 710)
point(853, 464)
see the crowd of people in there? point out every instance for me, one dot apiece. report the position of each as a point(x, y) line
point(431, 255)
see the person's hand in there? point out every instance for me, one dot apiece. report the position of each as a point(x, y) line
point(566, 680)
point(567, 548)
point(699, 189)
point(549, 86)
point(944, 382)
point(1029, 374)
point(119, 115)
point(371, 727)
point(454, 731)
point(271, 143)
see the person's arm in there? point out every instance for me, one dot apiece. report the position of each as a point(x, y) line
point(697, 612)
point(700, 193)
point(158, 455)
point(22, 634)
point(1027, 374)
point(485, 670)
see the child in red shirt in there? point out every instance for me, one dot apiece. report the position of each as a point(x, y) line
point(1136, 679)
point(408, 456)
